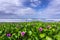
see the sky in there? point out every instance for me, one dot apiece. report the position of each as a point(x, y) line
point(19, 9)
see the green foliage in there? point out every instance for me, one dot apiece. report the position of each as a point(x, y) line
point(48, 38)
point(31, 30)
point(42, 35)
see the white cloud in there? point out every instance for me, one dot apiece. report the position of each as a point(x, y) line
point(52, 9)
point(35, 3)
point(16, 7)
point(33, 0)
point(25, 11)
point(12, 20)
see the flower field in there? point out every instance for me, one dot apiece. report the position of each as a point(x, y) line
point(30, 31)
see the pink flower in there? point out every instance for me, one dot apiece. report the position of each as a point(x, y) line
point(8, 35)
point(40, 29)
point(22, 33)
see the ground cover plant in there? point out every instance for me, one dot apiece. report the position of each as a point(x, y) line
point(30, 31)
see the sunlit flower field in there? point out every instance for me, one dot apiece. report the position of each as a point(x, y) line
point(30, 31)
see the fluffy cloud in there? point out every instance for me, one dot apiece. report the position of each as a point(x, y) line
point(52, 10)
point(16, 7)
point(12, 20)
point(35, 3)
point(25, 11)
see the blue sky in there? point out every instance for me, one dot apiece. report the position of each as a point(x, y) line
point(16, 9)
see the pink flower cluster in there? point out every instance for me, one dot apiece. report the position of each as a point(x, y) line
point(40, 29)
point(22, 34)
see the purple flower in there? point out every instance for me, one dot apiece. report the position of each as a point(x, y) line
point(8, 35)
point(40, 29)
point(22, 33)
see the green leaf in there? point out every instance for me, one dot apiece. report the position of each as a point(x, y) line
point(16, 36)
point(42, 35)
point(53, 30)
point(0, 32)
point(29, 38)
point(57, 36)
point(13, 34)
point(30, 32)
point(36, 38)
point(45, 29)
point(48, 38)
point(1, 39)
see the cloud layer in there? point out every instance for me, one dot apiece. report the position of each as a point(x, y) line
point(17, 8)
point(53, 10)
